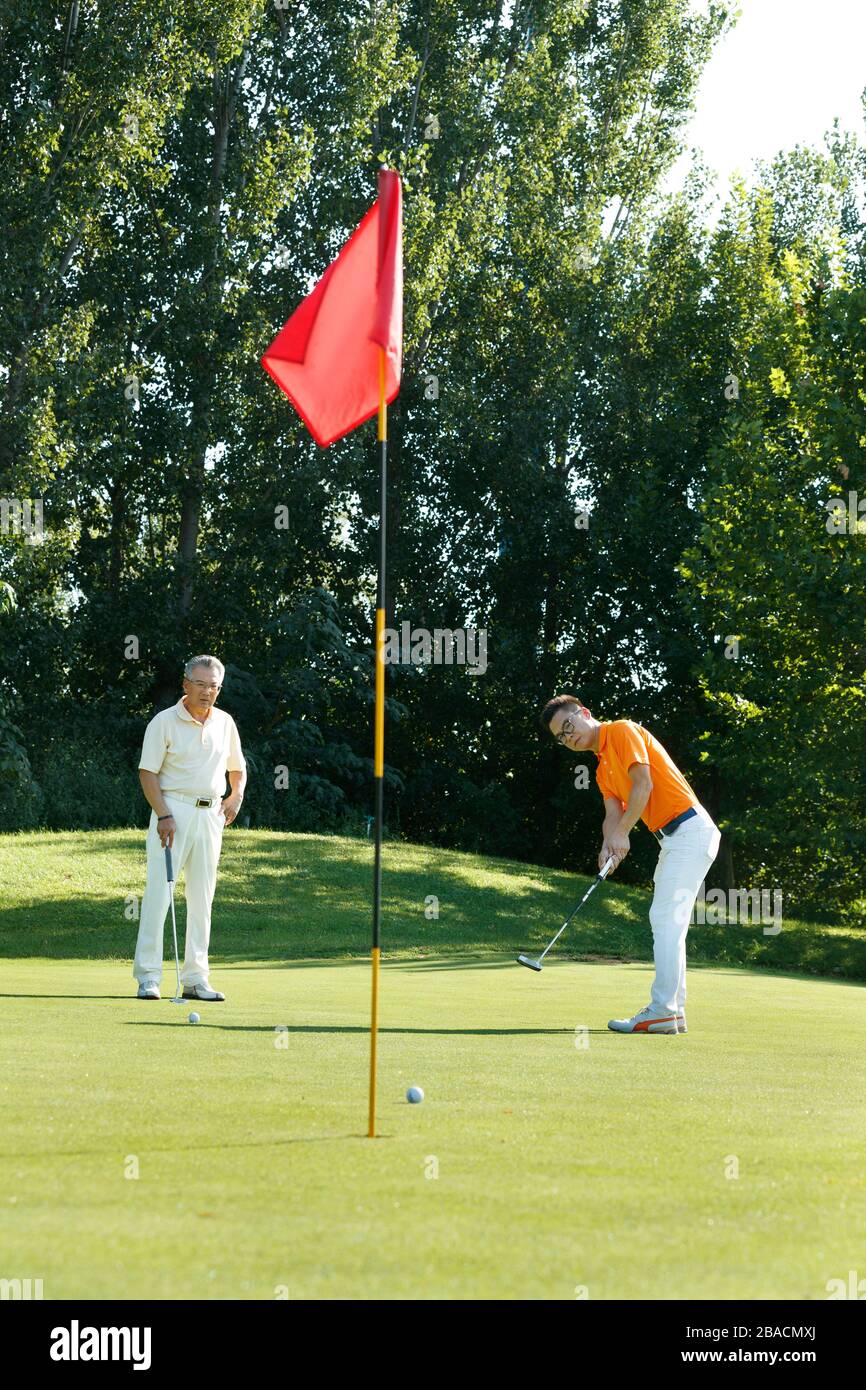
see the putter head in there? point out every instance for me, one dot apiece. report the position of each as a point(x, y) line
point(529, 962)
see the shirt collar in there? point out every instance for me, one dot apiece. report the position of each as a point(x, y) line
point(185, 714)
point(602, 738)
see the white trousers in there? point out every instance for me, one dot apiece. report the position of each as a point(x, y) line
point(684, 860)
point(197, 845)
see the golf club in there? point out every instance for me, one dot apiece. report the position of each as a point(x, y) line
point(170, 872)
point(536, 964)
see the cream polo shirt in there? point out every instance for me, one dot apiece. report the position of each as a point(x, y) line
point(192, 757)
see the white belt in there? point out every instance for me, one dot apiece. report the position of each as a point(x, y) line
point(193, 800)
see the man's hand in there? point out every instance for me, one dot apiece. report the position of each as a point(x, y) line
point(616, 846)
point(231, 806)
point(165, 829)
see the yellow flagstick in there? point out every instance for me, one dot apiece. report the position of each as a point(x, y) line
point(379, 745)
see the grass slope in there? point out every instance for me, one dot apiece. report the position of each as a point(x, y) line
point(73, 894)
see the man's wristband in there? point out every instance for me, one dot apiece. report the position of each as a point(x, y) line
point(168, 817)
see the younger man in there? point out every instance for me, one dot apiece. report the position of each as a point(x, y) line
point(640, 781)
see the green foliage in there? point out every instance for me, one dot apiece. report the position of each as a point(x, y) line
point(568, 339)
point(786, 699)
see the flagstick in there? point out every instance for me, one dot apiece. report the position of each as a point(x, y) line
point(379, 746)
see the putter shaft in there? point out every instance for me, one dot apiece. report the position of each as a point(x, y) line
point(170, 875)
point(603, 873)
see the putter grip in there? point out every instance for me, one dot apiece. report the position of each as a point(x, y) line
point(168, 868)
point(603, 873)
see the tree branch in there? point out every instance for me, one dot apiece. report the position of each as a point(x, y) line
point(69, 36)
point(410, 124)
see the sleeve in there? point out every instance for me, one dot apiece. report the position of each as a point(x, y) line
point(628, 745)
point(236, 760)
point(153, 748)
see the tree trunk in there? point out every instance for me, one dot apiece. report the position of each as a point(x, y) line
point(723, 869)
point(396, 479)
point(724, 866)
point(550, 626)
point(190, 518)
point(118, 522)
point(226, 92)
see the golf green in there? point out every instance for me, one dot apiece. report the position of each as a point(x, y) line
point(145, 1157)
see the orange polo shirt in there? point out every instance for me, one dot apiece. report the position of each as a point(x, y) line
point(621, 744)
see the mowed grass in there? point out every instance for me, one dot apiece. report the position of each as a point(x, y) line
point(141, 1156)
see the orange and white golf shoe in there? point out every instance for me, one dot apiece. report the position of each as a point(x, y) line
point(649, 1020)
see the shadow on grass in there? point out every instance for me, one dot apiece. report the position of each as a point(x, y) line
point(413, 966)
point(408, 963)
point(87, 997)
point(195, 1148)
point(363, 1029)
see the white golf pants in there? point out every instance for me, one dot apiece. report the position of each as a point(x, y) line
point(196, 849)
point(684, 859)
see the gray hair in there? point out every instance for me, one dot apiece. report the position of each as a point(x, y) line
point(212, 662)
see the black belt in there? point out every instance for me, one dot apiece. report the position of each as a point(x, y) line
point(672, 824)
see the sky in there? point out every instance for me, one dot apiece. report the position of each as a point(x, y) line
point(777, 79)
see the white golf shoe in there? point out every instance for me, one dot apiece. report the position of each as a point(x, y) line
point(202, 992)
point(649, 1020)
point(681, 1023)
point(148, 990)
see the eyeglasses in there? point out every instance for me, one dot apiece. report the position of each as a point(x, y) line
point(565, 731)
point(204, 685)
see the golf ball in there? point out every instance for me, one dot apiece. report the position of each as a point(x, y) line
point(414, 1095)
point(194, 1018)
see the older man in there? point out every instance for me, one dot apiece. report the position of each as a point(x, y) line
point(639, 780)
point(187, 751)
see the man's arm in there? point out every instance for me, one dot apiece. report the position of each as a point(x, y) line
point(612, 818)
point(152, 790)
point(616, 841)
point(232, 803)
point(641, 789)
point(612, 813)
point(237, 782)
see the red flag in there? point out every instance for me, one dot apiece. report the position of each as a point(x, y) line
point(326, 357)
